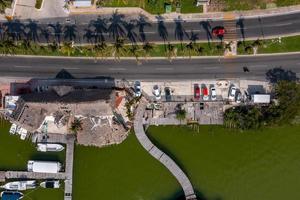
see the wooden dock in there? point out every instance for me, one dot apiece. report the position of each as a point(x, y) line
point(69, 140)
point(160, 155)
point(33, 175)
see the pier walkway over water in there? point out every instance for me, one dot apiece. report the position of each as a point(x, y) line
point(159, 155)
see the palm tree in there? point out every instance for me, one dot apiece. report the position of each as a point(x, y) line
point(4, 4)
point(136, 52)
point(26, 45)
point(191, 48)
point(171, 51)
point(70, 32)
point(180, 113)
point(100, 28)
point(118, 48)
point(141, 23)
point(131, 35)
point(76, 126)
point(67, 48)
point(179, 31)
point(194, 37)
point(53, 46)
point(8, 47)
point(100, 50)
point(148, 48)
point(116, 28)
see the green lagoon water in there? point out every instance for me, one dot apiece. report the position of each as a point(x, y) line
point(222, 165)
point(14, 154)
point(231, 165)
point(125, 172)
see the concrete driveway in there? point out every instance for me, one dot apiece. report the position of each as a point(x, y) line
point(25, 9)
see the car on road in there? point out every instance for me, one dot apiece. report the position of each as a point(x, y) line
point(205, 93)
point(168, 94)
point(218, 31)
point(156, 92)
point(213, 93)
point(196, 92)
point(232, 93)
point(137, 88)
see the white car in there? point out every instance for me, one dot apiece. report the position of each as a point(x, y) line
point(137, 88)
point(232, 92)
point(213, 93)
point(157, 92)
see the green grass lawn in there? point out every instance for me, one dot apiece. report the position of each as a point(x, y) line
point(154, 6)
point(38, 4)
point(125, 171)
point(14, 154)
point(287, 44)
point(225, 164)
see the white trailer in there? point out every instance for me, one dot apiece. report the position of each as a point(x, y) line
point(43, 166)
point(261, 98)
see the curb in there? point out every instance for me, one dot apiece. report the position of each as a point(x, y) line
point(155, 58)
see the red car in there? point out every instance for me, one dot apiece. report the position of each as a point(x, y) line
point(218, 31)
point(205, 93)
point(197, 91)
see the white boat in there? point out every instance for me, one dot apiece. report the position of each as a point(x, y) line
point(19, 185)
point(7, 195)
point(50, 184)
point(44, 147)
point(13, 129)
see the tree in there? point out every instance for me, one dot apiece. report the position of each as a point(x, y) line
point(136, 52)
point(67, 48)
point(191, 49)
point(116, 28)
point(100, 50)
point(4, 4)
point(148, 48)
point(243, 117)
point(180, 113)
point(76, 126)
point(8, 47)
point(171, 51)
point(118, 49)
point(288, 95)
point(100, 28)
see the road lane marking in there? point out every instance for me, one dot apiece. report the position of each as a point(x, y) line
point(71, 68)
point(117, 69)
point(164, 68)
point(217, 67)
point(26, 67)
point(257, 66)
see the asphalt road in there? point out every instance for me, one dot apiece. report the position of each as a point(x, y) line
point(261, 27)
point(151, 69)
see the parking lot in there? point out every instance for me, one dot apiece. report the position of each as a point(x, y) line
point(202, 90)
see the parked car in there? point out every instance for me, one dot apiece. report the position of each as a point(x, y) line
point(213, 93)
point(157, 92)
point(201, 106)
point(196, 92)
point(168, 94)
point(137, 88)
point(218, 31)
point(205, 93)
point(232, 92)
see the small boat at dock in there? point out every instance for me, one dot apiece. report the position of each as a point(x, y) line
point(19, 185)
point(11, 195)
point(48, 147)
point(50, 184)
